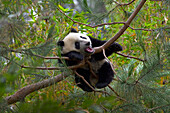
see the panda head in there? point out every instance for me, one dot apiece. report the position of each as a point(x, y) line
point(78, 42)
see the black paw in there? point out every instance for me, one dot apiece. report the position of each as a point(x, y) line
point(76, 58)
point(115, 47)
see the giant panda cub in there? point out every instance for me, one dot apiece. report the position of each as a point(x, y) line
point(78, 46)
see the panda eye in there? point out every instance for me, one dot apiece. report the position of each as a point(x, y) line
point(83, 37)
point(77, 45)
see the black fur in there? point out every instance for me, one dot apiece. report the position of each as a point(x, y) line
point(111, 49)
point(105, 73)
point(60, 43)
point(73, 30)
point(80, 82)
point(75, 57)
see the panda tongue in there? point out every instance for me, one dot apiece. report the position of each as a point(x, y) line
point(89, 49)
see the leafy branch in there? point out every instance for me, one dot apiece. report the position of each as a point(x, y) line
point(74, 21)
point(122, 30)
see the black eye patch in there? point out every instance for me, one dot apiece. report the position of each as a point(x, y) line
point(83, 37)
point(77, 45)
point(60, 43)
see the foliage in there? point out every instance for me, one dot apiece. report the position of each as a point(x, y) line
point(29, 28)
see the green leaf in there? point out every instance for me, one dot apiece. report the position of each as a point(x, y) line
point(50, 32)
point(131, 67)
point(86, 6)
point(63, 9)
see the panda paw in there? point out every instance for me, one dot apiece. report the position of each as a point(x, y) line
point(115, 47)
point(75, 56)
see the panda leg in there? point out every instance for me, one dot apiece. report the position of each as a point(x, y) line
point(80, 82)
point(105, 74)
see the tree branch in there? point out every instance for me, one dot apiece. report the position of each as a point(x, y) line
point(23, 92)
point(56, 68)
point(129, 56)
point(158, 107)
point(122, 30)
point(87, 24)
point(117, 94)
point(56, 57)
point(124, 3)
point(141, 29)
point(90, 85)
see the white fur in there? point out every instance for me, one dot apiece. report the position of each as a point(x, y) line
point(70, 39)
point(69, 45)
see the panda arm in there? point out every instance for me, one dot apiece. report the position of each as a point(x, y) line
point(96, 42)
point(114, 47)
point(75, 56)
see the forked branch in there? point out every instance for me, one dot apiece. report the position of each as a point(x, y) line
point(122, 30)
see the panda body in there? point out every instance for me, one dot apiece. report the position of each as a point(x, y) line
point(77, 47)
point(95, 65)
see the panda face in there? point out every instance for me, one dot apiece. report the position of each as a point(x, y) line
point(76, 42)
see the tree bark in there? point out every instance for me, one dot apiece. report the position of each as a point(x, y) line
point(23, 92)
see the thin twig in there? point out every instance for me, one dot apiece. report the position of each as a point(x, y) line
point(109, 61)
point(124, 3)
point(146, 73)
point(93, 77)
point(21, 52)
point(116, 93)
point(84, 80)
point(129, 56)
point(56, 57)
point(91, 70)
point(141, 29)
point(55, 68)
point(111, 66)
point(89, 84)
point(158, 107)
point(105, 23)
point(87, 24)
point(113, 90)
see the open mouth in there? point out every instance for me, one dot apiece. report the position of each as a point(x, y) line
point(89, 50)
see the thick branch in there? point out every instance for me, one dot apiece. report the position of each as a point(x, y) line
point(122, 30)
point(23, 92)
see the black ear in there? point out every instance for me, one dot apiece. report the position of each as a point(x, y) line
point(73, 30)
point(60, 43)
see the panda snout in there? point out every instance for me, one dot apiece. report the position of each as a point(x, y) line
point(87, 44)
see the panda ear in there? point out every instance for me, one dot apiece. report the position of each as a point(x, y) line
point(74, 30)
point(60, 43)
